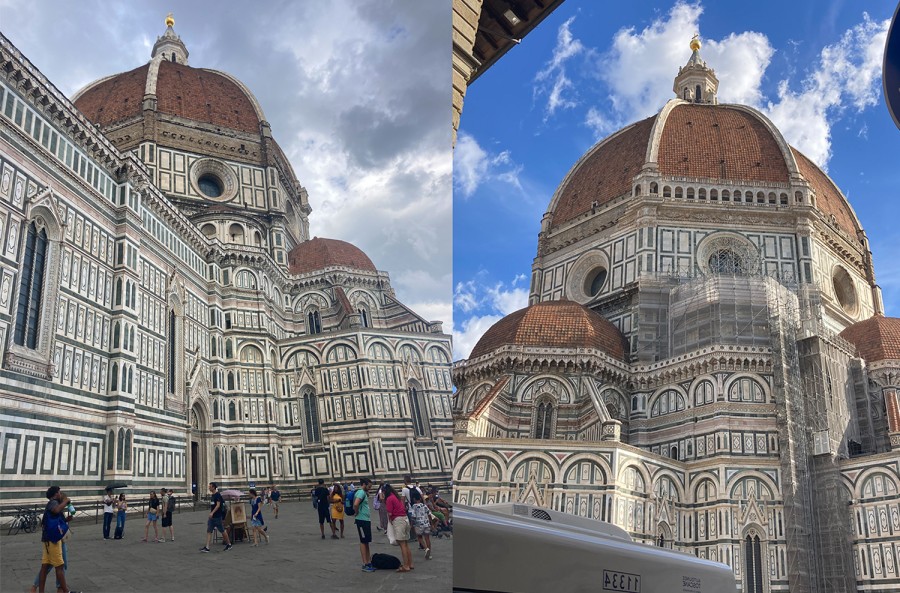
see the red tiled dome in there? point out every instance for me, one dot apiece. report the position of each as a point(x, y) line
point(192, 93)
point(554, 324)
point(318, 254)
point(876, 338)
point(716, 142)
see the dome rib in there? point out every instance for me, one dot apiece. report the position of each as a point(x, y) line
point(553, 324)
point(317, 254)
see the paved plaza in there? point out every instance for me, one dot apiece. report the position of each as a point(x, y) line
point(296, 560)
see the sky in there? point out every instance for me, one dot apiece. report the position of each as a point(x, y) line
point(357, 93)
point(591, 68)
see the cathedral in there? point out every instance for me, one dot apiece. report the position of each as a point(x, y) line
point(704, 360)
point(165, 317)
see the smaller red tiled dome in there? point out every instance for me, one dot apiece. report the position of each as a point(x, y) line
point(318, 254)
point(876, 338)
point(554, 324)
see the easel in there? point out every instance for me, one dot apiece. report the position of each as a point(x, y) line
point(236, 521)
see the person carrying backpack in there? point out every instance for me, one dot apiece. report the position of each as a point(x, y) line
point(55, 528)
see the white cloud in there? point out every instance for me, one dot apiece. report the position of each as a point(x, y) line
point(552, 80)
point(847, 75)
point(465, 338)
point(486, 304)
point(473, 166)
point(641, 66)
point(506, 301)
point(470, 164)
point(599, 123)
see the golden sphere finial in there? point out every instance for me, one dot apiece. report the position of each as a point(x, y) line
point(170, 20)
point(695, 42)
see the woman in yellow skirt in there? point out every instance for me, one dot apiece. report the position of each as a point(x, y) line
point(337, 510)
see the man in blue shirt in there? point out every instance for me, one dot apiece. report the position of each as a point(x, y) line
point(275, 496)
point(216, 515)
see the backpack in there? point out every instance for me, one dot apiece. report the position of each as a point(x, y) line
point(170, 508)
point(55, 527)
point(348, 506)
point(385, 562)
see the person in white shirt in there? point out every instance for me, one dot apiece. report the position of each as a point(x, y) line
point(109, 511)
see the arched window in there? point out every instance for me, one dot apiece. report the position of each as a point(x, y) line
point(363, 317)
point(171, 348)
point(726, 262)
point(229, 350)
point(673, 452)
point(117, 330)
point(418, 411)
point(697, 95)
point(230, 381)
point(704, 393)
point(119, 291)
point(313, 322)
point(218, 462)
point(666, 403)
point(236, 233)
point(543, 419)
point(209, 230)
point(120, 458)
point(129, 437)
point(31, 287)
point(753, 572)
point(110, 450)
point(746, 390)
point(114, 377)
point(312, 429)
point(232, 414)
point(234, 462)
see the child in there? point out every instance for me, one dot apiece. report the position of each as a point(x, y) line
point(421, 521)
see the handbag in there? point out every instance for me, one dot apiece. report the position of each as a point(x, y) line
point(392, 537)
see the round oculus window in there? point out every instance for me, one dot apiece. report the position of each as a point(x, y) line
point(845, 291)
point(210, 185)
point(595, 281)
point(726, 261)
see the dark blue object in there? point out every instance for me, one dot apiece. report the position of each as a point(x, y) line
point(891, 74)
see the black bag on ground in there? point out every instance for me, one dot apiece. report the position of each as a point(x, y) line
point(385, 562)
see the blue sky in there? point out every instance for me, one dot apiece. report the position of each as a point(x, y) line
point(591, 68)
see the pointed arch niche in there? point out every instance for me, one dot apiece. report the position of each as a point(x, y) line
point(34, 309)
point(175, 388)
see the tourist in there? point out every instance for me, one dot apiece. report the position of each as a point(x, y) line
point(275, 495)
point(400, 522)
point(216, 515)
point(337, 511)
point(52, 555)
point(323, 507)
point(121, 511)
point(109, 504)
point(256, 518)
point(152, 516)
point(167, 508)
point(421, 522)
point(363, 522)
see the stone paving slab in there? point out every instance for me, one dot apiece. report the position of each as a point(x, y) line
point(296, 560)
